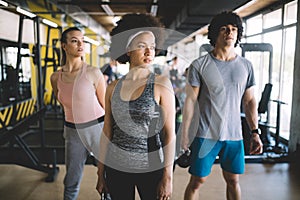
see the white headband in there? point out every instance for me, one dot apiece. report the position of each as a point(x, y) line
point(131, 37)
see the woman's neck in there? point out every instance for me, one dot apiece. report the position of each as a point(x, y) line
point(138, 73)
point(72, 66)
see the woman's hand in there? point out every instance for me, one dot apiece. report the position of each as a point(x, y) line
point(101, 186)
point(165, 188)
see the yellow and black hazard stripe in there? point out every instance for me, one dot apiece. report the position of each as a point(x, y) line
point(5, 116)
point(9, 116)
point(24, 109)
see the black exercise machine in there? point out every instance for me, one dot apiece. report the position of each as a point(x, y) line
point(17, 118)
point(263, 107)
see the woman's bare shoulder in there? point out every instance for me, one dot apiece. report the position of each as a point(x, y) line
point(93, 72)
point(54, 76)
point(112, 85)
point(92, 69)
point(163, 80)
point(110, 88)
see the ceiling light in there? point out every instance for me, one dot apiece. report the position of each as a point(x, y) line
point(245, 6)
point(3, 3)
point(94, 42)
point(50, 23)
point(25, 12)
point(154, 10)
point(115, 20)
point(107, 9)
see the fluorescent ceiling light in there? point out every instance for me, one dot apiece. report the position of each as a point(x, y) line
point(25, 12)
point(245, 6)
point(116, 19)
point(94, 42)
point(3, 3)
point(107, 9)
point(154, 10)
point(50, 23)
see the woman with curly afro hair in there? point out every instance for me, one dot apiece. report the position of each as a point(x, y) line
point(138, 141)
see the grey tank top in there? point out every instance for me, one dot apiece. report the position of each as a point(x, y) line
point(130, 128)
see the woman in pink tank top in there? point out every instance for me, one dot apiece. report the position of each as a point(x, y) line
point(80, 90)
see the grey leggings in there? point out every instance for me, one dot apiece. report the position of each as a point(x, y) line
point(79, 144)
point(75, 157)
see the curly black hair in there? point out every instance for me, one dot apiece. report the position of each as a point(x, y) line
point(223, 19)
point(129, 25)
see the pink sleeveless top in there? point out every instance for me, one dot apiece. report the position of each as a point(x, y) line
point(79, 98)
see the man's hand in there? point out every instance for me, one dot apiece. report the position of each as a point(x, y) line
point(256, 145)
point(184, 143)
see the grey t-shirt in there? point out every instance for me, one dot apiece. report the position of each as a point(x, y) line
point(222, 86)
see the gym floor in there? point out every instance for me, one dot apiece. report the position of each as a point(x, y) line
point(279, 181)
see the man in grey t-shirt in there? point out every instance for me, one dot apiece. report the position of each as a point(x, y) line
point(217, 84)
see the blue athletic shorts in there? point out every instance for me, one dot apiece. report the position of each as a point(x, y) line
point(204, 153)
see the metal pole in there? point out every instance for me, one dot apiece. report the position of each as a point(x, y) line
point(40, 89)
point(19, 55)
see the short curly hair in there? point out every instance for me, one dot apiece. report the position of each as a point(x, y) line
point(129, 25)
point(222, 19)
